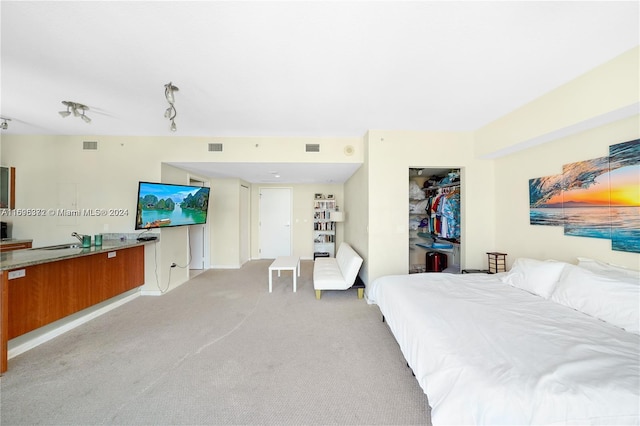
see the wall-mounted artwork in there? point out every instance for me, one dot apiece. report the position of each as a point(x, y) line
point(624, 162)
point(598, 198)
point(585, 198)
point(545, 201)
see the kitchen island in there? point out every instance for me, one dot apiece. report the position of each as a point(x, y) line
point(42, 285)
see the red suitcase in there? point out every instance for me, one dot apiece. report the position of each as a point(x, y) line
point(436, 262)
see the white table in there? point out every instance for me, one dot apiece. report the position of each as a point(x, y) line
point(285, 263)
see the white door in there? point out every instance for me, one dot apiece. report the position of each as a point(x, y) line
point(196, 245)
point(245, 225)
point(275, 222)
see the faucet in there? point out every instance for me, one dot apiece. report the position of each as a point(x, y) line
point(78, 236)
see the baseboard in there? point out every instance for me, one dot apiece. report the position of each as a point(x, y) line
point(225, 267)
point(41, 335)
point(151, 293)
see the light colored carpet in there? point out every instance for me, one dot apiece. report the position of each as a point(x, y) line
point(221, 349)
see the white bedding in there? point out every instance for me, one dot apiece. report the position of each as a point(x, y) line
point(488, 353)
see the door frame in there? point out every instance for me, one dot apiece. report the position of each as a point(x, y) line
point(206, 248)
point(245, 224)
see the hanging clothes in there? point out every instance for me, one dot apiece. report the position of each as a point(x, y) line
point(445, 213)
point(436, 216)
point(451, 211)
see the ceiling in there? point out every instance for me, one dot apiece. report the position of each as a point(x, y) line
point(295, 68)
point(299, 173)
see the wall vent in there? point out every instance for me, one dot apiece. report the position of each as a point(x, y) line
point(90, 145)
point(312, 147)
point(215, 147)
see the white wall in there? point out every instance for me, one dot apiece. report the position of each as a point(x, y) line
point(173, 246)
point(575, 122)
point(607, 93)
point(390, 155)
point(224, 223)
point(302, 204)
point(512, 214)
point(54, 172)
point(356, 212)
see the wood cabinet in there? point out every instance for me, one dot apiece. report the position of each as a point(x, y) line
point(4, 326)
point(50, 291)
point(116, 272)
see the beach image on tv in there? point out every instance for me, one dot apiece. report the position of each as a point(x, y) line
point(162, 205)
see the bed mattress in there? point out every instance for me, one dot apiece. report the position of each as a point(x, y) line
point(488, 353)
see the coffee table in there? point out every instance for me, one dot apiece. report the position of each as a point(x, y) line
point(285, 263)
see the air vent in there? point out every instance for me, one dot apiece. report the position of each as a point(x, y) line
point(90, 145)
point(215, 147)
point(312, 147)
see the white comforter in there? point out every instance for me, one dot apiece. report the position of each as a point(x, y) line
point(487, 353)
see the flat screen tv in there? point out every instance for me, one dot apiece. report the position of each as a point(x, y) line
point(163, 205)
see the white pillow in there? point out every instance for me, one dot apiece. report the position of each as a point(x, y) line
point(607, 269)
point(535, 276)
point(614, 300)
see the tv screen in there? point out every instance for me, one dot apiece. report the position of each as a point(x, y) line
point(162, 205)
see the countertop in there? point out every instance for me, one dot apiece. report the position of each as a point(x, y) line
point(8, 241)
point(35, 256)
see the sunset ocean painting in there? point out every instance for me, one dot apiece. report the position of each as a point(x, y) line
point(624, 162)
point(541, 211)
point(585, 198)
point(598, 198)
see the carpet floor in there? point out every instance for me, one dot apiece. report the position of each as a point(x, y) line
point(221, 349)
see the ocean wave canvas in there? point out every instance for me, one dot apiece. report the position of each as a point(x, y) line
point(545, 201)
point(597, 198)
point(624, 162)
point(585, 198)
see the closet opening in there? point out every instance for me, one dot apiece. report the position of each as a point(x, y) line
point(434, 220)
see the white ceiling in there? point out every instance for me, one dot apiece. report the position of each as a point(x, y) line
point(300, 173)
point(295, 68)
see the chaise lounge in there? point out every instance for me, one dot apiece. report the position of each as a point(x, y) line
point(337, 273)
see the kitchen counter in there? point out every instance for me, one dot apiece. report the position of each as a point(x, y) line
point(9, 244)
point(7, 241)
point(42, 285)
point(35, 256)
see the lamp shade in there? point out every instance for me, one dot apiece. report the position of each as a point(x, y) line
point(336, 216)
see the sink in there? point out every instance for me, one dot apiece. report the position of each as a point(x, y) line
point(59, 247)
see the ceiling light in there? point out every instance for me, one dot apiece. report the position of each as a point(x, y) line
point(171, 112)
point(78, 110)
point(4, 125)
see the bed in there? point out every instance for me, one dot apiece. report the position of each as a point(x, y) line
point(545, 343)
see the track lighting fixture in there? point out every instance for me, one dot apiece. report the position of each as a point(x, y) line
point(4, 125)
point(171, 112)
point(78, 110)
